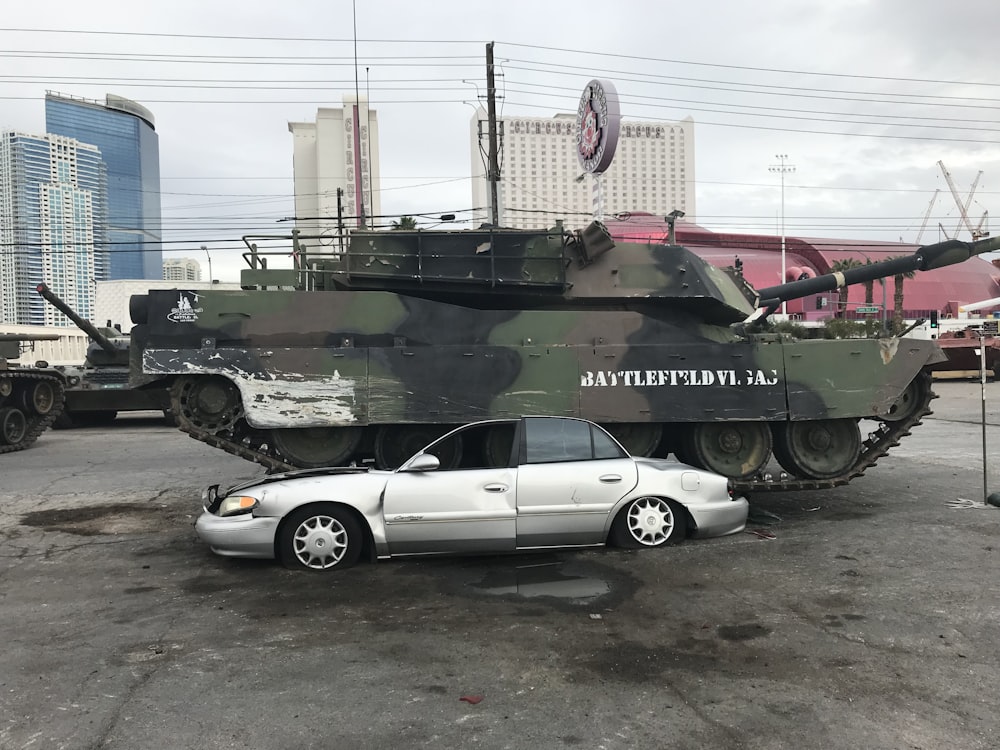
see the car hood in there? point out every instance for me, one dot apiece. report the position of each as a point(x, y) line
point(299, 474)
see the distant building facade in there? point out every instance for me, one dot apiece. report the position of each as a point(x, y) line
point(541, 179)
point(181, 269)
point(53, 226)
point(339, 151)
point(125, 133)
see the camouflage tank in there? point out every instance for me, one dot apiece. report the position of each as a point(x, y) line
point(366, 354)
point(31, 398)
point(98, 389)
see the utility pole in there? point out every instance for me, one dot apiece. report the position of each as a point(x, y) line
point(782, 169)
point(493, 170)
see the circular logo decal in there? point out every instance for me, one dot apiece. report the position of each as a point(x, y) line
point(598, 120)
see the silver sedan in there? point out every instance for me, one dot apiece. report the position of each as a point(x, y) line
point(490, 487)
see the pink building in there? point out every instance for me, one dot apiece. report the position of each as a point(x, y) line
point(943, 289)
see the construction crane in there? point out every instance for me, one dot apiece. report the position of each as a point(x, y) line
point(963, 208)
point(930, 207)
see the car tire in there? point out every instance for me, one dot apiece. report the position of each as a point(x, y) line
point(649, 522)
point(320, 538)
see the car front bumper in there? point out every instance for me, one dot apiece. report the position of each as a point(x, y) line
point(238, 536)
point(720, 518)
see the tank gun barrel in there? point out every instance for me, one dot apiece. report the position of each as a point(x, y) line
point(82, 323)
point(925, 258)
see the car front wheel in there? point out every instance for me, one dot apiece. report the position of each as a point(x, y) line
point(319, 538)
point(648, 522)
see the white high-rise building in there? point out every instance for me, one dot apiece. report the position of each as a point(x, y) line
point(541, 179)
point(339, 151)
point(53, 226)
point(181, 269)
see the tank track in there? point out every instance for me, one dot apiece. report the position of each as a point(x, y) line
point(228, 441)
point(37, 424)
point(874, 447)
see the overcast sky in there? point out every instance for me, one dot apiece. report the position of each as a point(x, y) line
point(864, 96)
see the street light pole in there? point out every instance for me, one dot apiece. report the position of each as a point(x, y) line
point(782, 169)
point(210, 277)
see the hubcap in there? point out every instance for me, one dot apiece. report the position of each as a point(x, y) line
point(650, 521)
point(320, 542)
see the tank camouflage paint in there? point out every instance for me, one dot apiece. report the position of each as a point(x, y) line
point(402, 334)
point(31, 398)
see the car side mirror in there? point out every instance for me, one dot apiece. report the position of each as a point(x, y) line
point(422, 462)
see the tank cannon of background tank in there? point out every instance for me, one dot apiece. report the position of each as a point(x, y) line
point(98, 389)
point(403, 334)
point(30, 397)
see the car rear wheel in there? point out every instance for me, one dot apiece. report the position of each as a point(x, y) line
point(648, 522)
point(319, 538)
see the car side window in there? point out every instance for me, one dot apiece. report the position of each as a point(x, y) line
point(604, 445)
point(477, 447)
point(549, 440)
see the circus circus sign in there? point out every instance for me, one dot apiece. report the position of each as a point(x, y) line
point(598, 122)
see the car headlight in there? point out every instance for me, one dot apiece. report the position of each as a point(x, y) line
point(236, 504)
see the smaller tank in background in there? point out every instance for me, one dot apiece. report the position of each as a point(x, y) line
point(31, 397)
point(98, 390)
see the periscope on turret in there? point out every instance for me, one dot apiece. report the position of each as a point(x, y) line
point(385, 344)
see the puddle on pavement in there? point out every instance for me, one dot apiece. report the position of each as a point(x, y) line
point(98, 519)
point(547, 577)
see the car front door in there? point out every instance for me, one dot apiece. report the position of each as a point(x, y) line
point(570, 477)
point(470, 507)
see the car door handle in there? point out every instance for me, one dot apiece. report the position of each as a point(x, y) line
point(610, 478)
point(496, 488)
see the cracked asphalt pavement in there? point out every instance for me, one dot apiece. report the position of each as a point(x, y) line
point(869, 619)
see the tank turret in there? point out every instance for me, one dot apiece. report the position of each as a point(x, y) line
point(104, 350)
point(98, 389)
point(365, 351)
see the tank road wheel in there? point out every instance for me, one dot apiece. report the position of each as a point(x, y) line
point(914, 396)
point(6, 387)
point(648, 522)
point(638, 438)
point(733, 449)
point(396, 443)
point(497, 445)
point(210, 403)
point(319, 538)
point(312, 447)
point(40, 397)
point(13, 426)
point(817, 449)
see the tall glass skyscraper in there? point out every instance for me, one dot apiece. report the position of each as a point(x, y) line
point(53, 226)
point(125, 133)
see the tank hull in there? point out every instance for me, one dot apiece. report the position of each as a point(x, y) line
point(379, 361)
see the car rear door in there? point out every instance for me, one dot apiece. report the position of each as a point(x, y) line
point(570, 476)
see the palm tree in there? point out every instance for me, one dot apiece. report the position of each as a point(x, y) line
point(839, 266)
point(405, 222)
